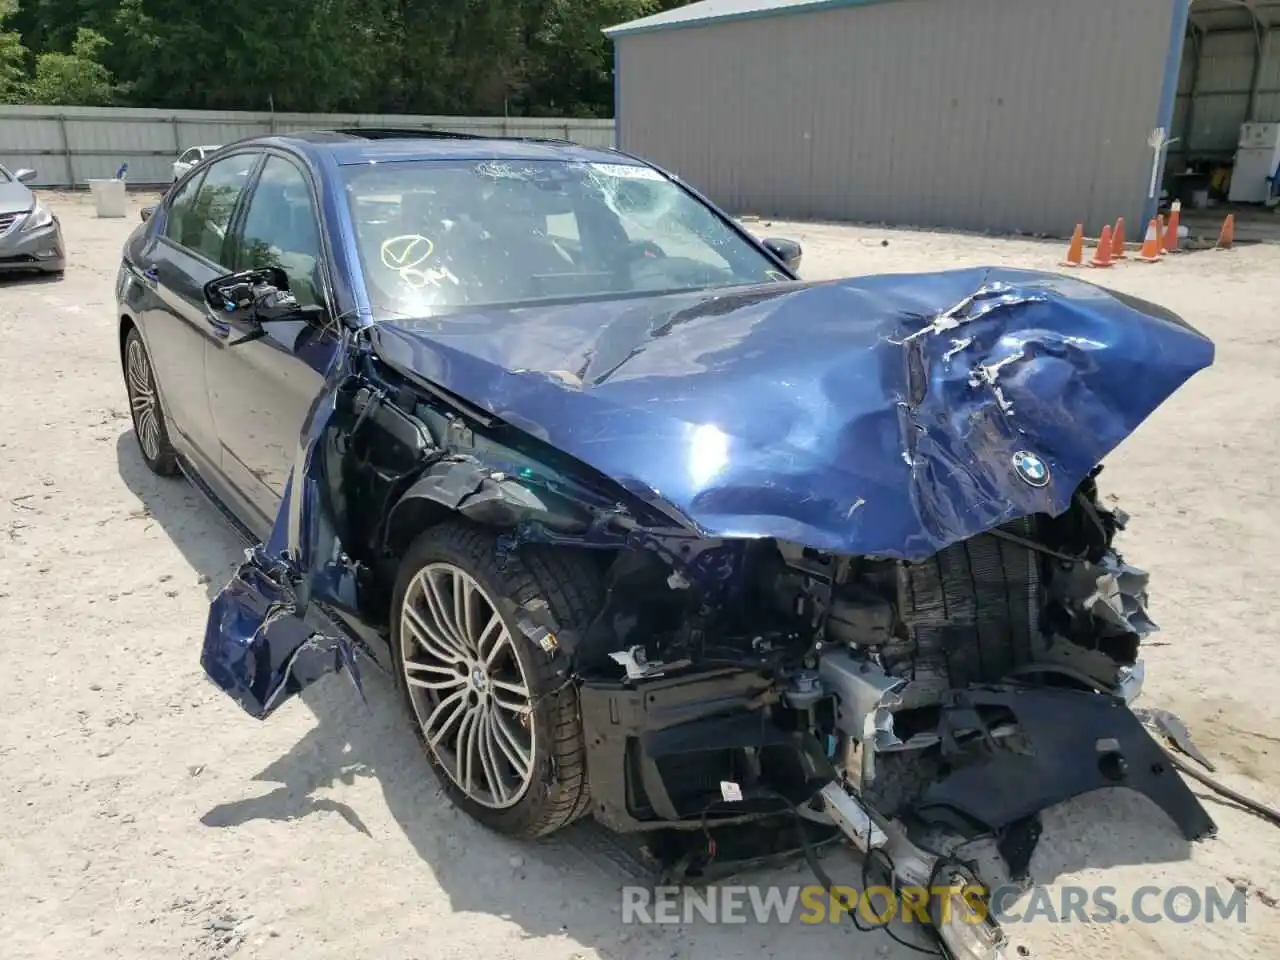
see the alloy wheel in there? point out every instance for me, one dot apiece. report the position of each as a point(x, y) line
point(469, 692)
point(142, 399)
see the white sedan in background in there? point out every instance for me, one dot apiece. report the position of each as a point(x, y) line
point(190, 157)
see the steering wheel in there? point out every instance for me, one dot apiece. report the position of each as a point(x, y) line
point(649, 273)
point(647, 249)
point(636, 254)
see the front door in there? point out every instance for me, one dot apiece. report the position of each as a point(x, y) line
point(261, 391)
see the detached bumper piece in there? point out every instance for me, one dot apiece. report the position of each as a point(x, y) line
point(259, 649)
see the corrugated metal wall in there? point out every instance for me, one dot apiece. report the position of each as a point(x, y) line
point(972, 114)
point(69, 145)
point(1222, 80)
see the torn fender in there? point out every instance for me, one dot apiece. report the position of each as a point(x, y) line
point(266, 637)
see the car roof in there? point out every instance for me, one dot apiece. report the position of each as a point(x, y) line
point(349, 147)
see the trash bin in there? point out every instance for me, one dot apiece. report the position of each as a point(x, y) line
point(109, 198)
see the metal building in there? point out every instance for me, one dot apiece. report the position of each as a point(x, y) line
point(1007, 115)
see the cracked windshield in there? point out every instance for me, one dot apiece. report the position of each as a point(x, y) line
point(439, 235)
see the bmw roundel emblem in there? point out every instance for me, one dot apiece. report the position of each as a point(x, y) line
point(1031, 469)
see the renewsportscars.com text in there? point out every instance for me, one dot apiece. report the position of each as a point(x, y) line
point(880, 905)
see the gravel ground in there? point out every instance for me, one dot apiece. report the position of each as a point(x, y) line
point(145, 816)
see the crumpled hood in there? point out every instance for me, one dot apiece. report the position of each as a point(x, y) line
point(878, 415)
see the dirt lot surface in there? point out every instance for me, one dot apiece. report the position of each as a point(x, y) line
point(146, 816)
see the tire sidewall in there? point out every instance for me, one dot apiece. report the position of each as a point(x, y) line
point(545, 688)
point(163, 463)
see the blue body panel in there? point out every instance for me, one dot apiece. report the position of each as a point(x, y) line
point(873, 416)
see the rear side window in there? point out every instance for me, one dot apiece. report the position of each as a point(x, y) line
point(207, 219)
point(180, 227)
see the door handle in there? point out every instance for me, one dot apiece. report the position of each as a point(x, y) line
point(220, 327)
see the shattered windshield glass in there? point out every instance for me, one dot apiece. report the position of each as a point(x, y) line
point(446, 234)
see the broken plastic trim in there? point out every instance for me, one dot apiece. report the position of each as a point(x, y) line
point(266, 638)
point(259, 650)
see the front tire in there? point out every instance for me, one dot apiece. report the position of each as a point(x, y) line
point(502, 731)
point(149, 427)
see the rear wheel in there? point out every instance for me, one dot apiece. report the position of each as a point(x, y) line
point(501, 730)
point(144, 405)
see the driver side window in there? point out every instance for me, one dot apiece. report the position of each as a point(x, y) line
point(281, 229)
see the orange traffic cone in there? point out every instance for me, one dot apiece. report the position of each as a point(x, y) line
point(1227, 237)
point(1150, 252)
point(1160, 232)
point(1171, 235)
point(1117, 241)
point(1102, 254)
point(1075, 251)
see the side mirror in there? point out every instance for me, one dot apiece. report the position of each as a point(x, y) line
point(251, 298)
point(25, 175)
point(788, 251)
point(146, 212)
point(242, 290)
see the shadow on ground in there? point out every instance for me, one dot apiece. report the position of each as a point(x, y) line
point(28, 279)
point(583, 865)
point(207, 542)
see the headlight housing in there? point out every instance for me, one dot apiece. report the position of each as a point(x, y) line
point(37, 218)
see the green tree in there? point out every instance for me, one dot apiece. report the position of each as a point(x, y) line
point(574, 60)
point(77, 78)
point(300, 55)
point(13, 56)
point(459, 57)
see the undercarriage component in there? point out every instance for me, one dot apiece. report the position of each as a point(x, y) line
point(865, 693)
point(677, 752)
point(966, 932)
point(636, 664)
point(852, 818)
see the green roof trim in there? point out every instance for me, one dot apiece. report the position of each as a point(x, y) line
point(721, 11)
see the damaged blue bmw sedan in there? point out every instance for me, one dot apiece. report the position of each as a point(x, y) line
point(645, 527)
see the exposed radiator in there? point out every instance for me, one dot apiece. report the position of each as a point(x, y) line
point(972, 612)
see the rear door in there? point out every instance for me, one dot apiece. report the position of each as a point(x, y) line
point(191, 248)
point(261, 390)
